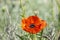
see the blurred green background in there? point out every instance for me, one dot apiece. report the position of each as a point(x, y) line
point(10, 18)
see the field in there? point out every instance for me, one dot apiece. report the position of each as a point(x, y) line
point(13, 11)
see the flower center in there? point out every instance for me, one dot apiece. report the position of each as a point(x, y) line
point(32, 25)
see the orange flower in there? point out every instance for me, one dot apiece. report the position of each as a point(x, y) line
point(33, 24)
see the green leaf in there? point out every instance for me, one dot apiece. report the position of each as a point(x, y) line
point(19, 37)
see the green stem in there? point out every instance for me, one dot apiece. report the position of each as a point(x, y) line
point(33, 36)
point(41, 35)
point(23, 9)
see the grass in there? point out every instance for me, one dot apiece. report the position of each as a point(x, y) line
point(11, 12)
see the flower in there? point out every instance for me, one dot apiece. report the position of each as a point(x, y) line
point(33, 24)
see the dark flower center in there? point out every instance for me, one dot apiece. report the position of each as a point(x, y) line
point(32, 25)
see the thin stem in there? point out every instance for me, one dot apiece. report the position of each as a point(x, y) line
point(41, 35)
point(33, 36)
point(22, 8)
